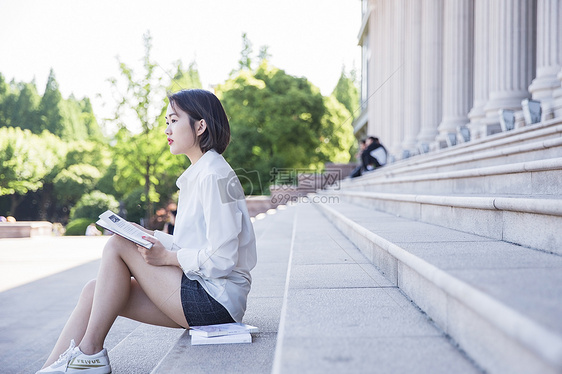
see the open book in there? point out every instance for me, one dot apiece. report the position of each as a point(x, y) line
point(112, 222)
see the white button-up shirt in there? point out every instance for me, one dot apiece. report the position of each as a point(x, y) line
point(213, 235)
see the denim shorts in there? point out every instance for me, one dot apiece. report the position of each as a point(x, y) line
point(199, 307)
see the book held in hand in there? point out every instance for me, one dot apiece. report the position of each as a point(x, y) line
point(112, 222)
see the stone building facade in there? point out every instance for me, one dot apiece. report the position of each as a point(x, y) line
point(439, 72)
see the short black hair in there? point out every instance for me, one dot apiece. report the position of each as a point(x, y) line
point(201, 104)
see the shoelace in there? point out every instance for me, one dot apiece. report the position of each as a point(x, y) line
point(66, 354)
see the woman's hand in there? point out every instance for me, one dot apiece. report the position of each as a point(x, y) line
point(158, 255)
point(149, 232)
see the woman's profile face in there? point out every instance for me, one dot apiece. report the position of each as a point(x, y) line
point(180, 135)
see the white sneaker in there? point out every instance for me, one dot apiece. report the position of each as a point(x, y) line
point(74, 361)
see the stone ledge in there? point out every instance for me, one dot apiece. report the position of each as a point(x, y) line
point(521, 167)
point(547, 206)
point(519, 328)
point(25, 229)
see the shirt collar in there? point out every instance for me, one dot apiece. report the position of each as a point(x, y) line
point(193, 170)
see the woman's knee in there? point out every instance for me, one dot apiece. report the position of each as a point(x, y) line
point(115, 245)
point(87, 295)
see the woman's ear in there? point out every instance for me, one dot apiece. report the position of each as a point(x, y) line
point(201, 127)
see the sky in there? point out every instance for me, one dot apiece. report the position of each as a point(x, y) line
point(81, 39)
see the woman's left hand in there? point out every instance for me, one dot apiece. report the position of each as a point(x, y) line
point(158, 255)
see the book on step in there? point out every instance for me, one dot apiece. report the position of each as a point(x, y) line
point(118, 225)
point(222, 339)
point(222, 329)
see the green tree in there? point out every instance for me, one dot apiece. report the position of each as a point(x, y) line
point(184, 79)
point(346, 91)
point(92, 204)
point(88, 118)
point(70, 184)
point(275, 121)
point(50, 106)
point(7, 101)
point(25, 112)
point(25, 162)
point(139, 154)
point(245, 61)
point(336, 137)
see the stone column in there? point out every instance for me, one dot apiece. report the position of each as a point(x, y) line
point(431, 71)
point(412, 76)
point(512, 50)
point(457, 69)
point(549, 44)
point(373, 65)
point(378, 73)
point(557, 94)
point(385, 84)
point(481, 61)
point(397, 80)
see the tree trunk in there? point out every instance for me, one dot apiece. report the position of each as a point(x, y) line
point(147, 193)
point(15, 203)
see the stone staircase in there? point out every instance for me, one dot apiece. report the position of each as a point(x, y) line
point(471, 235)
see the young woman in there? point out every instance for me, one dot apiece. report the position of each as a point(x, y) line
point(198, 276)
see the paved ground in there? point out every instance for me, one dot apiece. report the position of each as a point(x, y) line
point(29, 259)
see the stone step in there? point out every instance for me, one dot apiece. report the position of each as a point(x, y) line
point(142, 349)
point(542, 177)
point(340, 314)
point(540, 143)
point(536, 134)
point(506, 218)
point(497, 300)
point(273, 235)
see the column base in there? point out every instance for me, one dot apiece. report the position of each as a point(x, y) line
point(542, 88)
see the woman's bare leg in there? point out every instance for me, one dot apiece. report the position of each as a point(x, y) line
point(161, 285)
point(152, 297)
point(76, 325)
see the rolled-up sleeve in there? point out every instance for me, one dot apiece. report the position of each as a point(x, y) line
point(223, 224)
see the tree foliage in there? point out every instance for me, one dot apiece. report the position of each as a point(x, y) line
point(71, 119)
point(25, 161)
point(279, 121)
point(138, 154)
point(92, 204)
point(346, 91)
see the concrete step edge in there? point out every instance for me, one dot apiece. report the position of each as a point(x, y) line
point(278, 355)
point(159, 364)
point(516, 204)
point(553, 164)
point(520, 328)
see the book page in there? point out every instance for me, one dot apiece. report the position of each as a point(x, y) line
point(121, 227)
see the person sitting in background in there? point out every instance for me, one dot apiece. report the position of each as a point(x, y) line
point(357, 171)
point(169, 226)
point(375, 155)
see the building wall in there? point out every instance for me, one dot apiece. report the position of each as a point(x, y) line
point(439, 72)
